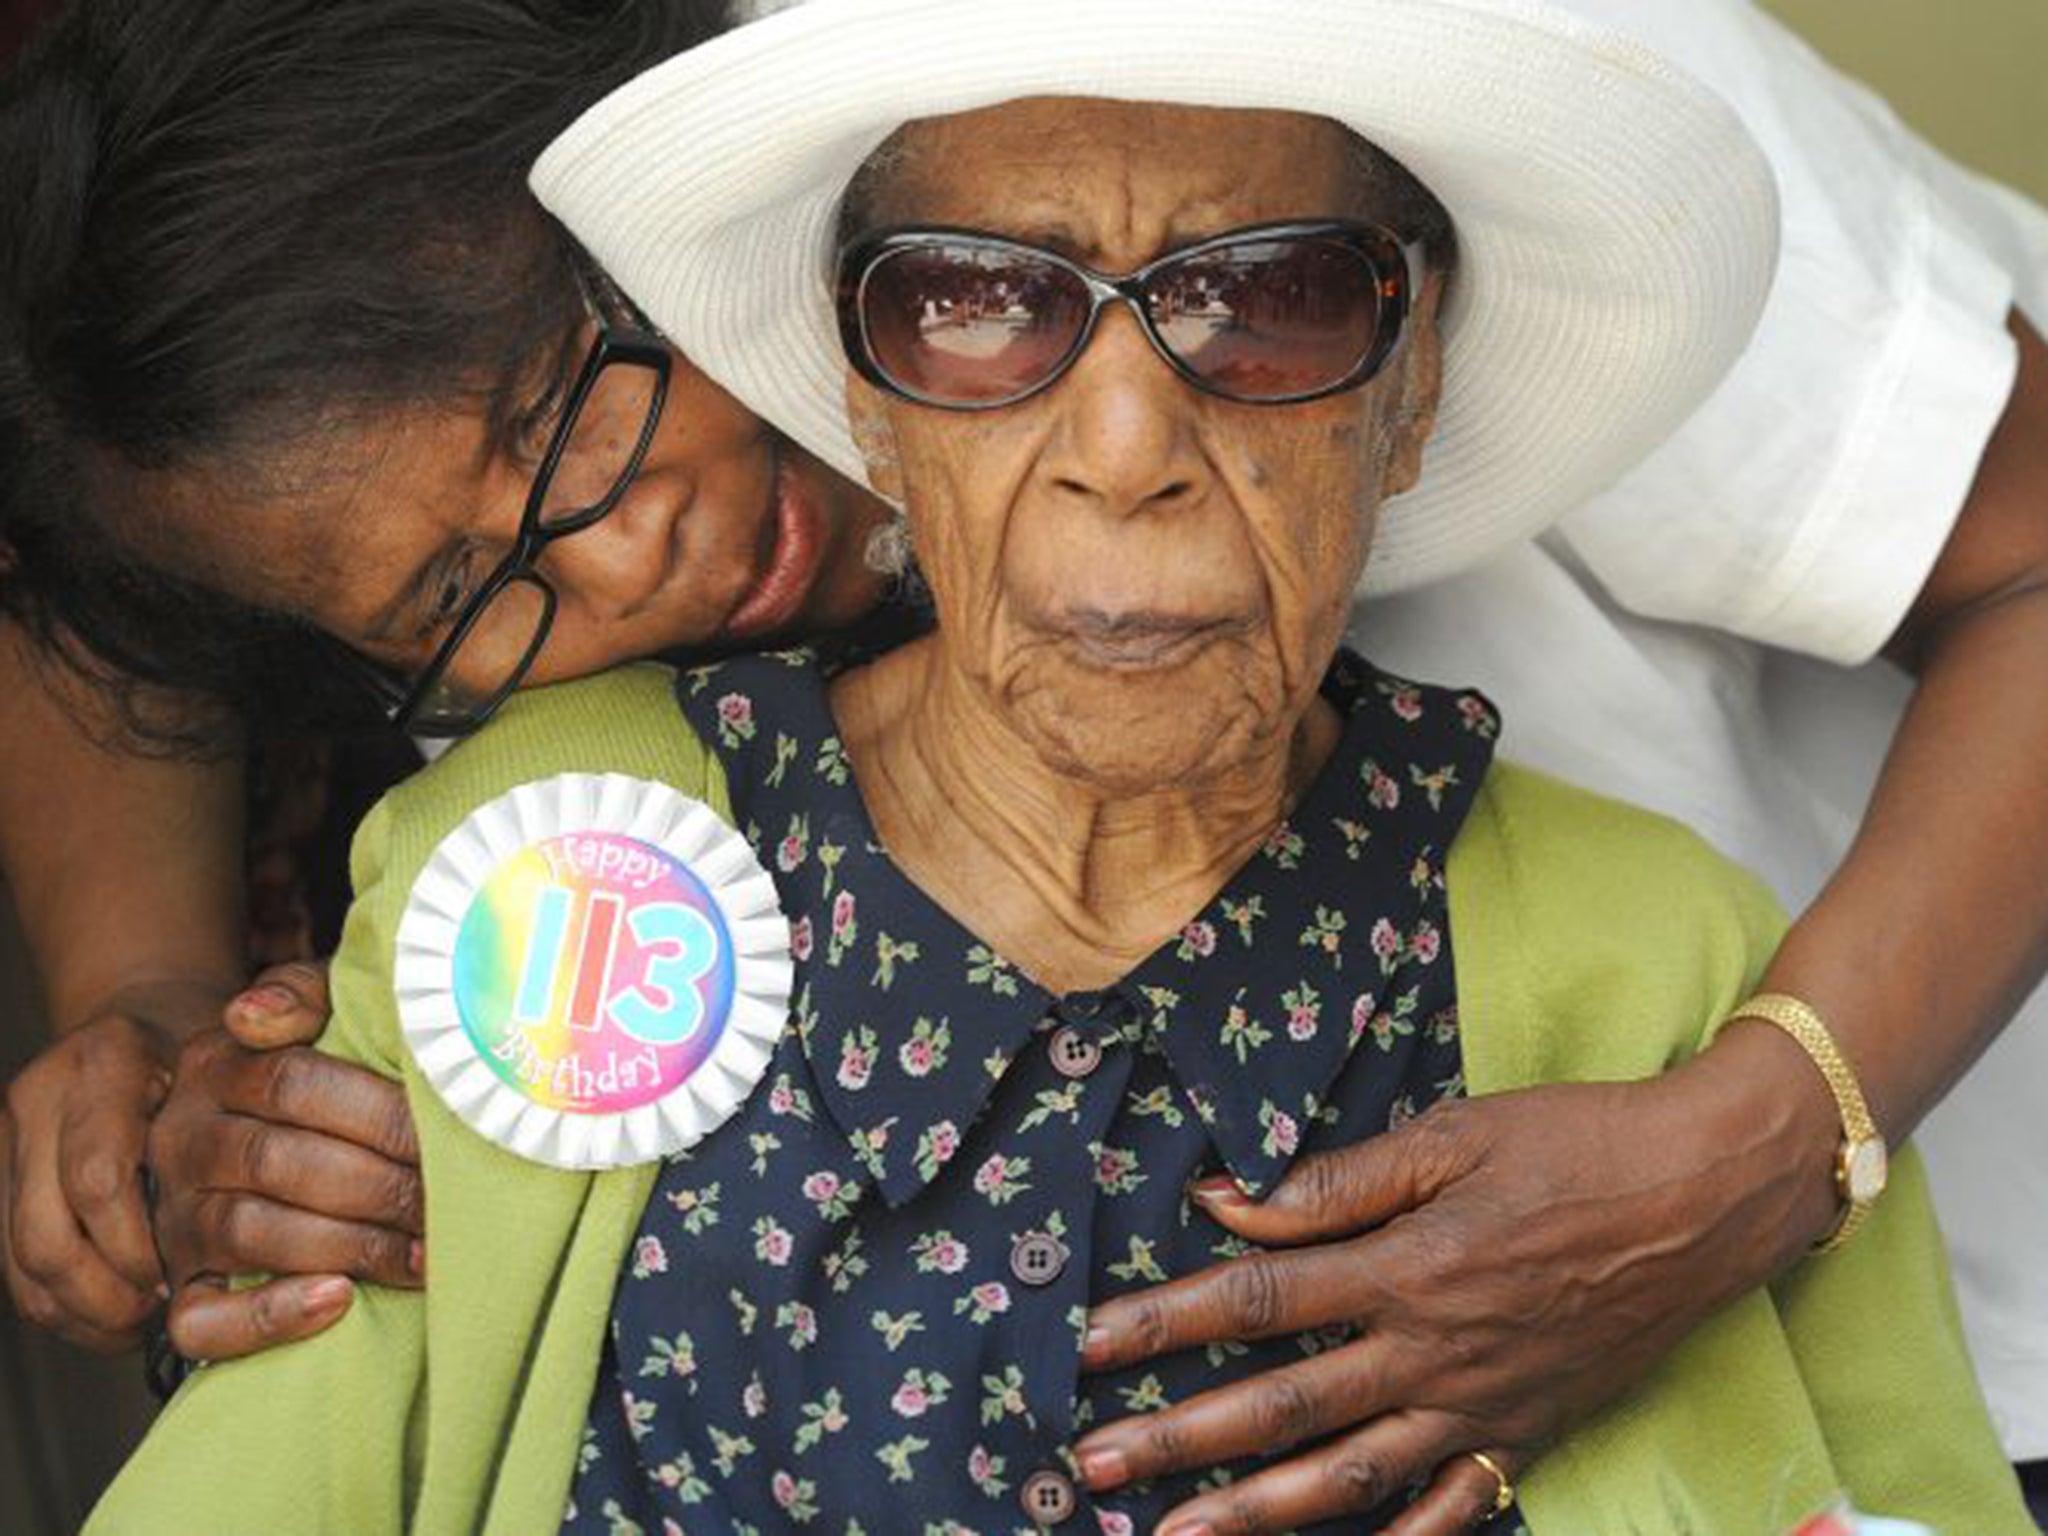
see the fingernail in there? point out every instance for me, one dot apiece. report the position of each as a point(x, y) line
point(329, 1295)
point(1186, 1528)
point(416, 1258)
point(1220, 1190)
point(1096, 1344)
point(1104, 1468)
point(265, 1000)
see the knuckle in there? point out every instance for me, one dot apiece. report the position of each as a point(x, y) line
point(287, 1080)
point(403, 1200)
point(1358, 1478)
point(1164, 1445)
point(236, 1222)
point(1152, 1327)
point(1437, 1252)
point(33, 1302)
point(186, 1325)
point(264, 1158)
point(1283, 1410)
point(1243, 1513)
point(379, 1253)
point(266, 1315)
point(1323, 1179)
point(97, 1180)
point(394, 1128)
point(1252, 1293)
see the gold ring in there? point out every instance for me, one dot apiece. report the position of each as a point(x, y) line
point(1504, 1492)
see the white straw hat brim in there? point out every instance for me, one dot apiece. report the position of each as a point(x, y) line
point(1617, 226)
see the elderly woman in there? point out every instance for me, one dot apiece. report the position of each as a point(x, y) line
point(1122, 890)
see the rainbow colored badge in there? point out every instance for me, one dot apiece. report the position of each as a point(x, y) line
point(593, 971)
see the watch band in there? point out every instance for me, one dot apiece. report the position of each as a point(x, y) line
point(1859, 1131)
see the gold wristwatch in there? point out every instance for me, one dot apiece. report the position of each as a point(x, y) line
point(1862, 1164)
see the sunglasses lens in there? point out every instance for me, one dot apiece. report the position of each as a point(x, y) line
point(1270, 319)
point(967, 324)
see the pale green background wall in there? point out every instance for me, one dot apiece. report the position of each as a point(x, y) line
point(1972, 75)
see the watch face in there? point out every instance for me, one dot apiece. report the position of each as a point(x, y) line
point(1864, 1167)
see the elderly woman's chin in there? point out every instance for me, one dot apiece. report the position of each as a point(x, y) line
point(1134, 714)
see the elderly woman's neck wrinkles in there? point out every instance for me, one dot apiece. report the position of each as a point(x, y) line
point(1074, 881)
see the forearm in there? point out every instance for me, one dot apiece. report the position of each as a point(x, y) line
point(126, 871)
point(1936, 925)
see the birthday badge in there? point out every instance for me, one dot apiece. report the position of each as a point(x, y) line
point(593, 970)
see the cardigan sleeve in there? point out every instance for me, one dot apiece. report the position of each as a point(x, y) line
point(341, 1433)
point(1597, 942)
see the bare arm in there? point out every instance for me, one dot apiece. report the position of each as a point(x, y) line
point(1936, 925)
point(123, 870)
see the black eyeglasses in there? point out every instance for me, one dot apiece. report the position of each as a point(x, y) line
point(1273, 314)
point(583, 474)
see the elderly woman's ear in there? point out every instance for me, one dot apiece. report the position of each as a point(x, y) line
point(875, 438)
point(1413, 421)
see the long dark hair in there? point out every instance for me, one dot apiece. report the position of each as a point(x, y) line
point(223, 220)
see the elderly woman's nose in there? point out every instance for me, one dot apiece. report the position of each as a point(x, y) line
point(1126, 425)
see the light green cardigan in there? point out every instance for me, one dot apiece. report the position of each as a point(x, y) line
point(1592, 942)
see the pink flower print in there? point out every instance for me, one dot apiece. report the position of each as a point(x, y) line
point(1425, 944)
point(911, 1399)
point(789, 853)
point(668, 1526)
point(1386, 940)
point(649, 1258)
point(1113, 1166)
point(942, 1141)
point(800, 940)
point(1283, 1136)
point(821, 1186)
point(737, 711)
point(772, 1242)
point(991, 1296)
point(1200, 938)
point(782, 1097)
point(1301, 1022)
point(784, 1488)
point(856, 1065)
point(754, 1399)
point(991, 1174)
point(1385, 794)
point(917, 1057)
point(1407, 703)
point(948, 1256)
point(1115, 1522)
point(980, 1465)
point(1361, 1015)
point(842, 917)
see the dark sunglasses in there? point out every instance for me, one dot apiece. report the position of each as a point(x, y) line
point(1274, 314)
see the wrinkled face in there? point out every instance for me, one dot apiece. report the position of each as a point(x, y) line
point(1146, 581)
point(382, 526)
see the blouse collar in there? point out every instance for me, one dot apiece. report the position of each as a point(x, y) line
point(1324, 940)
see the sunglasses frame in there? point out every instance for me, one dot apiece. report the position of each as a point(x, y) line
point(1397, 267)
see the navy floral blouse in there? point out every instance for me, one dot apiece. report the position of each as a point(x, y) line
point(858, 1306)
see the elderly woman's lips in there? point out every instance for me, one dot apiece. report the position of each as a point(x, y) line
point(792, 562)
point(1141, 642)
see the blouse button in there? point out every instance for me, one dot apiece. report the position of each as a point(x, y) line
point(1074, 1054)
point(1048, 1498)
point(1038, 1258)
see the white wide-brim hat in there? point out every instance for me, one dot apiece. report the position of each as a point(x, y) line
point(1617, 225)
